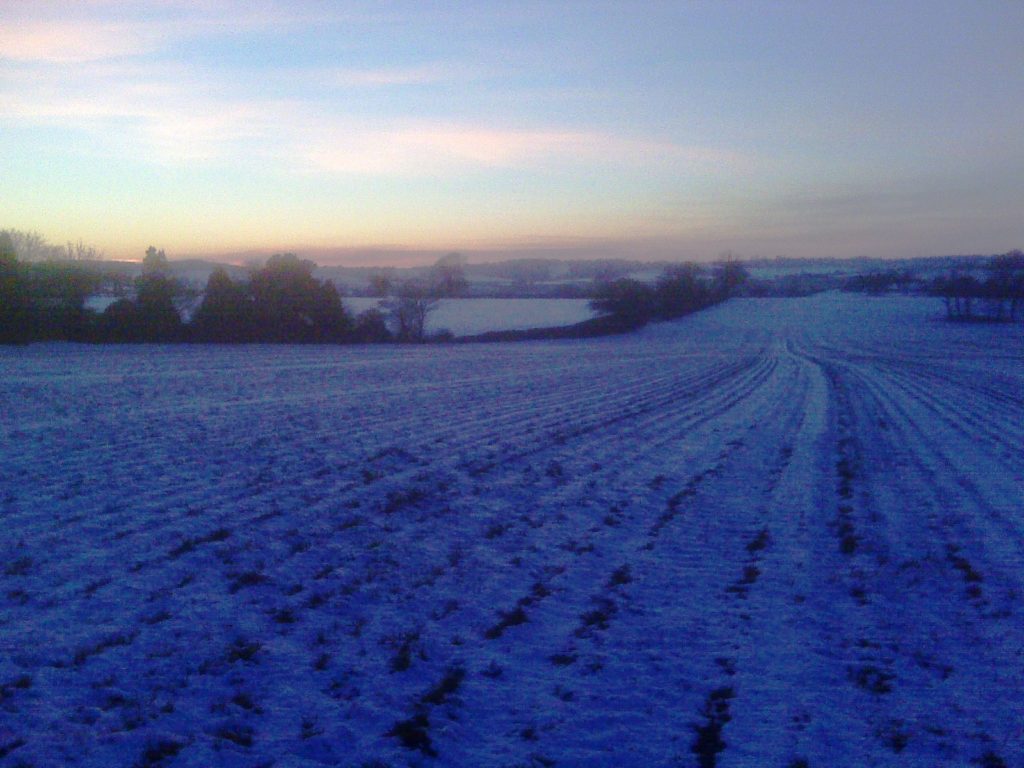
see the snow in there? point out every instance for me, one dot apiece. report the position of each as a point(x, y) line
point(464, 317)
point(779, 530)
point(468, 317)
point(99, 302)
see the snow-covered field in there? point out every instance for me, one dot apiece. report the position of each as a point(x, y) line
point(779, 533)
point(468, 317)
point(463, 317)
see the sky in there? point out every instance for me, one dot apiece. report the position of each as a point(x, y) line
point(385, 131)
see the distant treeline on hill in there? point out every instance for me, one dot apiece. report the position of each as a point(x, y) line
point(997, 295)
point(283, 301)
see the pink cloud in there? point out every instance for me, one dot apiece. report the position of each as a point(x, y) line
point(51, 32)
point(424, 148)
point(71, 43)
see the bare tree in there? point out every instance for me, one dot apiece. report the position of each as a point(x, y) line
point(448, 275)
point(408, 310)
point(81, 252)
point(730, 274)
point(32, 246)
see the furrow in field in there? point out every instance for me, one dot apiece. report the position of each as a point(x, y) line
point(448, 420)
point(983, 500)
point(125, 454)
point(910, 622)
point(978, 418)
point(700, 545)
point(234, 517)
point(370, 578)
point(576, 636)
point(229, 548)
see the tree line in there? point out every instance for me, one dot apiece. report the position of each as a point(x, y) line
point(30, 246)
point(280, 302)
point(43, 300)
point(283, 302)
point(680, 290)
point(997, 296)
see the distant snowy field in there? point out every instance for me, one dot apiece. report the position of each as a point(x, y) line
point(468, 317)
point(782, 532)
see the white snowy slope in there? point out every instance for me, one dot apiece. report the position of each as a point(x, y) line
point(467, 317)
point(778, 533)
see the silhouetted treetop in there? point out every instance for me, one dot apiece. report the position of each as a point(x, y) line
point(155, 262)
point(226, 313)
point(291, 305)
point(1000, 296)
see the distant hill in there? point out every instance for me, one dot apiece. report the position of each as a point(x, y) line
point(564, 278)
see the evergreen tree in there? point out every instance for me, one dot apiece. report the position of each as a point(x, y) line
point(226, 313)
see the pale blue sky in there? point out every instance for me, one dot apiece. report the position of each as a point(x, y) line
point(654, 130)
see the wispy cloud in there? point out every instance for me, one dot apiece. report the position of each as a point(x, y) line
point(143, 112)
point(60, 33)
point(88, 70)
point(390, 76)
point(72, 43)
point(170, 114)
point(429, 147)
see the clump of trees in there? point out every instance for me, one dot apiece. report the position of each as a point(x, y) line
point(289, 304)
point(680, 290)
point(153, 315)
point(43, 300)
point(997, 296)
point(279, 302)
point(282, 301)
